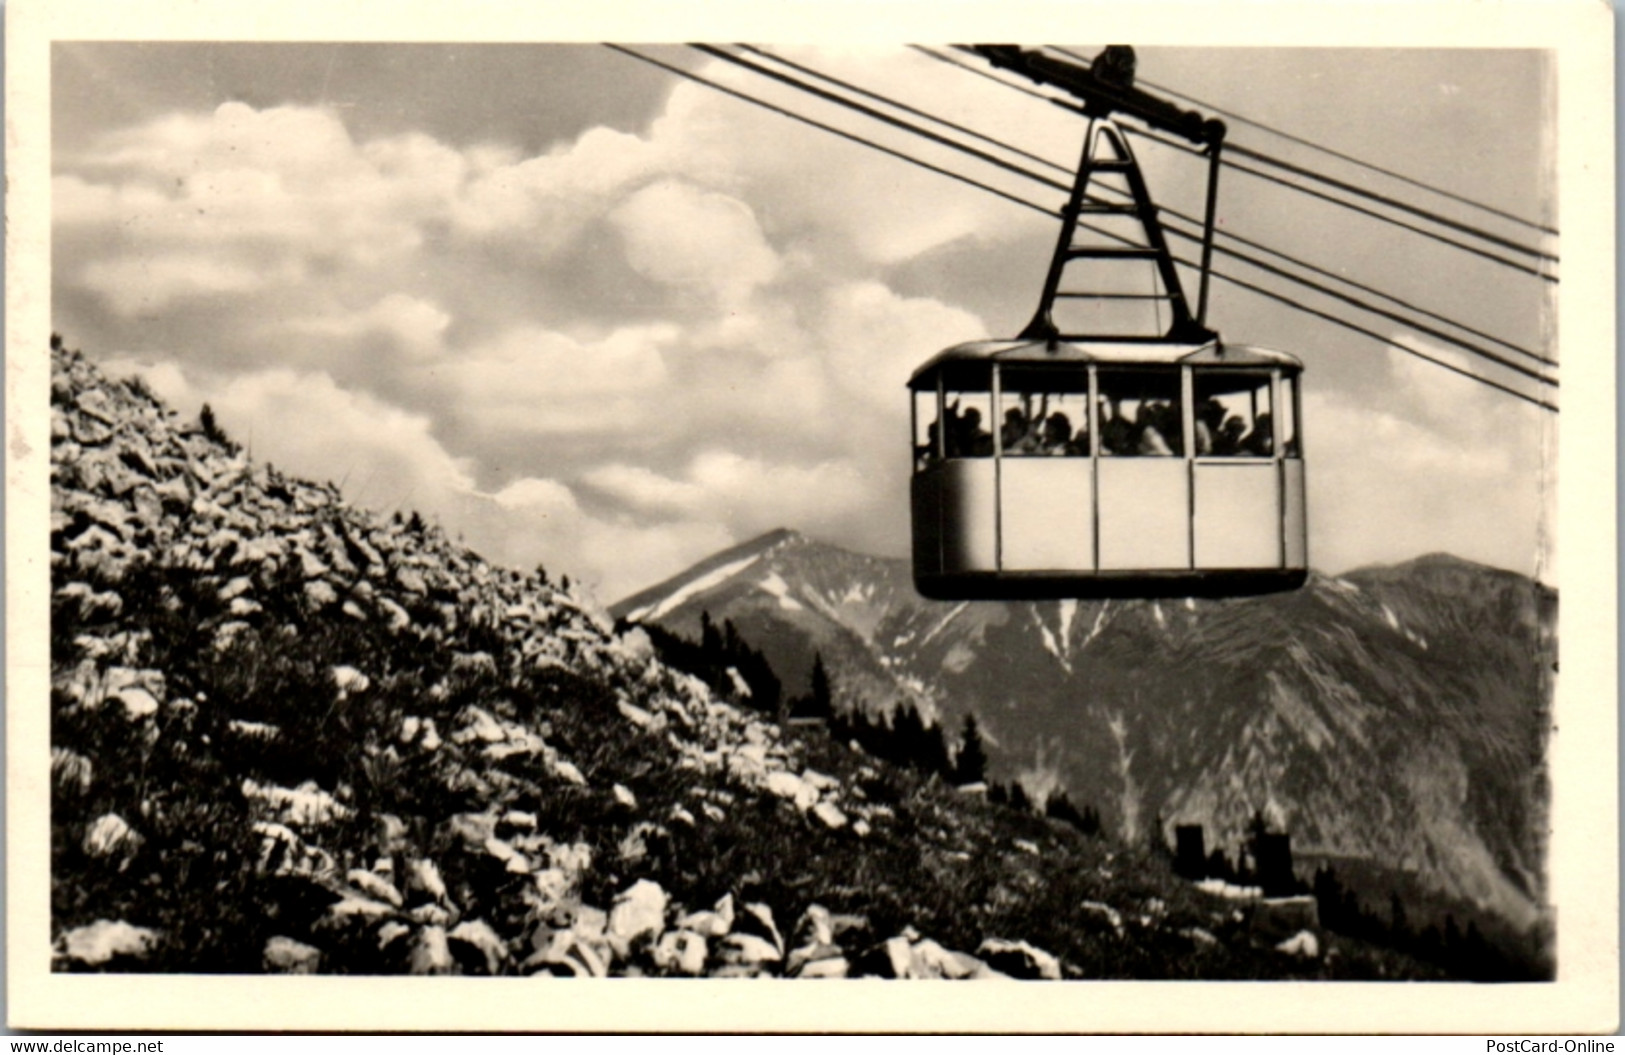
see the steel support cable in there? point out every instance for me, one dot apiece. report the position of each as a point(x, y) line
point(1351, 159)
point(871, 112)
point(1452, 367)
point(1373, 309)
point(1464, 228)
point(1451, 339)
point(1394, 220)
point(1515, 265)
point(1288, 301)
point(1311, 174)
point(866, 93)
point(1346, 324)
point(680, 72)
point(1355, 283)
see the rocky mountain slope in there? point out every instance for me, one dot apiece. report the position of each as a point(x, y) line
point(1395, 716)
point(288, 735)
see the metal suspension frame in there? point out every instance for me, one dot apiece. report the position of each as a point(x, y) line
point(1102, 90)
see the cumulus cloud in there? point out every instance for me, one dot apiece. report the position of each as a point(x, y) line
point(681, 235)
point(411, 325)
point(1433, 463)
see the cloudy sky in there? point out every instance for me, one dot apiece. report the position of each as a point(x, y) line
point(586, 314)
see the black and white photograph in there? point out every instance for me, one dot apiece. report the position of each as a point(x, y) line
point(534, 500)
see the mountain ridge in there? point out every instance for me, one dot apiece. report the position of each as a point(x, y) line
point(1434, 672)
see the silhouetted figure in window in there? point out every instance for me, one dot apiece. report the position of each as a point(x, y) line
point(1058, 435)
point(1209, 419)
point(1151, 442)
point(1014, 430)
point(1260, 441)
point(968, 439)
point(1020, 434)
point(1117, 434)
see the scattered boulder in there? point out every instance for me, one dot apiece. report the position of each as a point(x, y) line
point(1199, 937)
point(105, 941)
point(681, 952)
point(716, 922)
point(757, 919)
point(639, 912)
point(1019, 959)
point(1105, 913)
point(830, 815)
point(834, 967)
point(70, 770)
point(431, 953)
point(110, 834)
point(375, 886)
point(478, 936)
point(1303, 944)
point(283, 955)
point(934, 961)
point(749, 949)
point(1275, 919)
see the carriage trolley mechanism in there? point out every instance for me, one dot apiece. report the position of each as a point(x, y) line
point(1116, 448)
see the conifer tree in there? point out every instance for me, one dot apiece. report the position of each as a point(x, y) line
point(970, 766)
point(820, 703)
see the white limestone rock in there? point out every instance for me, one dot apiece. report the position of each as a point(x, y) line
point(283, 955)
point(105, 940)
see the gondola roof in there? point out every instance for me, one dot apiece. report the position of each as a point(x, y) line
point(1117, 353)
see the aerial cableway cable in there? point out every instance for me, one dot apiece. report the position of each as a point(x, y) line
point(1015, 199)
point(866, 93)
point(1233, 148)
point(1355, 207)
point(871, 112)
point(1364, 306)
point(1230, 235)
point(747, 97)
point(1351, 159)
point(1243, 257)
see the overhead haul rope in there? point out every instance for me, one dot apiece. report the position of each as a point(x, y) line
point(1361, 209)
point(1231, 235)
point(1233, 148)
point(1351, 159)
point(866, 93)
point(1261, 291)
point(679, 71)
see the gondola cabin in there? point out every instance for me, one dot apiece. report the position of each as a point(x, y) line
point(1117, 447)
point(1096, 469)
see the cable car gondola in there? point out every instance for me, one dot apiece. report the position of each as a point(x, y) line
point(1117, 447)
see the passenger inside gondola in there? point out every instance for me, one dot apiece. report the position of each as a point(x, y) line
point(1140, 413)
point(1058, 438)
point(1039, 408)
point(966, 436)
point(1116, 433)
point(1261, 441)
point(1233, 415)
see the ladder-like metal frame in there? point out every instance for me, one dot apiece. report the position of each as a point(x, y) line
point(1182, 324)
point(1103, 88)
